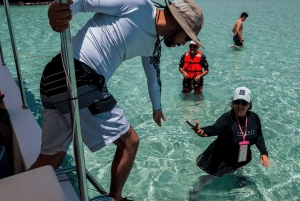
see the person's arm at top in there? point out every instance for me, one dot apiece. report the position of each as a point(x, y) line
point(181, 70)
point(154, 89)
point(261, 146)
point(60, 14)
point(233, 29)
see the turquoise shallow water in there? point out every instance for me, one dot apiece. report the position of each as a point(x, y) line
point(165, 168)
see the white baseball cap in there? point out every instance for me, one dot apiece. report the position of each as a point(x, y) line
point(242, 93)
point(193, 43)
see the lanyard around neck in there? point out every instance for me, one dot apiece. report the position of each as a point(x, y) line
point(246, 123)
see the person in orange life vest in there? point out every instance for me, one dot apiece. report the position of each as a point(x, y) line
point(191, 67)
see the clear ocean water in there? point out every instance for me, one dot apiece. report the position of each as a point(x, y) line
point(165, 168)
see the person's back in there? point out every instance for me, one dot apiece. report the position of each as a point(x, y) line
point(235, 29)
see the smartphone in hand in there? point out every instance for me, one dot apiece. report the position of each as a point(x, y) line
point(191, 125)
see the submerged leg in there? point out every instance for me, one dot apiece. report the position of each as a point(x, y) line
point(241, 179)
point(186, 85)
point(202, 181)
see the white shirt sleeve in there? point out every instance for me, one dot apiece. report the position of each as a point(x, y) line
point(153, 80)
point(109, 7)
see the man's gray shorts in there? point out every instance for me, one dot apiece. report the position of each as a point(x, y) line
point(97, 130)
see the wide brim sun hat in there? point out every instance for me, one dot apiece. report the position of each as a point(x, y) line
point(189, 15)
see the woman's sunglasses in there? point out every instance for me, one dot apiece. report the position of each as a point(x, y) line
point(243, 102)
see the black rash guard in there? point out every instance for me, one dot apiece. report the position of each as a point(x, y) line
point(229, 136)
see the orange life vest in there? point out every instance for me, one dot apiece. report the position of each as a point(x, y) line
point(192, 66)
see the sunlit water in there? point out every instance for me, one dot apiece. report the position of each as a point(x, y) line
point(165, 168)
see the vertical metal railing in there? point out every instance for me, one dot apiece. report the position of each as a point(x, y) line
point(68, 62)
point(1, 54)
point(15, 52)
point(82, 173)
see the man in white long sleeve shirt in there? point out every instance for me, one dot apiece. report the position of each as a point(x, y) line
point(119, 30)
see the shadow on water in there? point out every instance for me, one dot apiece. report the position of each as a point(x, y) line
point(235, 48)
point(239, 185)
point(73, 177)
point(191, 96)
point(33, 102)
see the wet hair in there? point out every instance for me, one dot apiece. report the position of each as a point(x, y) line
point(244, 14)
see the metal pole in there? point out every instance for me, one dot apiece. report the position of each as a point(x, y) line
point(95, 183)
point(68, 61)
point(1, 54)
point(15, 51)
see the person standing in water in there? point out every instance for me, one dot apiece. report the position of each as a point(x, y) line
point(236, 130)
point(191, 67)
point(237, 30)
